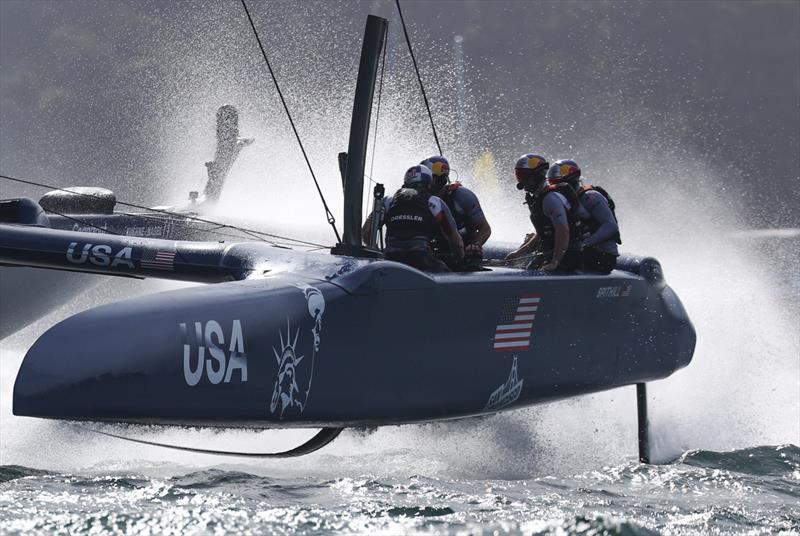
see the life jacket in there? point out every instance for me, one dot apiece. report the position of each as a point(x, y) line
point(409, 218)
point(544, 226)
point(441, 245)
point(593, 225)
point(450, 201)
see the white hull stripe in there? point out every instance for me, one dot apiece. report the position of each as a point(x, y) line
point(519, 326)
point(524, 317)
point(511, 344)
point(529, 300)
point(528, 309)
point(513, 335)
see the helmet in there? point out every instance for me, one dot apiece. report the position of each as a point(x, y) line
point(438, 165)
point(564, 171)
point(440, 169)
point(530, 166)
point(418, 175)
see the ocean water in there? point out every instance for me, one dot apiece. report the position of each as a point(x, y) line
point(749, 491)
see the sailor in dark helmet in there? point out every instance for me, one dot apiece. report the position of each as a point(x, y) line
point(413, 218)
point(556, 215)
point(599, 250)
point(467, 213)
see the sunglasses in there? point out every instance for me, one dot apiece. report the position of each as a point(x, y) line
point(523, 174)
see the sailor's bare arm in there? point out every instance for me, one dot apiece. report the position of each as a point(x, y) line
point(560, 248)
point(529, 246)
point(481, 230)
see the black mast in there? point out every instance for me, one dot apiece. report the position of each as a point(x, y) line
point(374, 36)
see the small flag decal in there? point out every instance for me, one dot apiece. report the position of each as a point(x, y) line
point(513, 332)
point(158, 260)
point(626, 289)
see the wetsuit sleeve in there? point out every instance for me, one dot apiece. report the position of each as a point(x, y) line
point(442, 215)
point(597, 206)
point(555, 208)
point(468, 202)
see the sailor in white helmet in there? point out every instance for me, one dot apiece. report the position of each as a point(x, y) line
point(413, 218)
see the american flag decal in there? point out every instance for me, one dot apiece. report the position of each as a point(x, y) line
point(158, 260)
point(626, 289)
point(513, 332)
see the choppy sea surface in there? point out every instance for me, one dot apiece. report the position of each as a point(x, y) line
point(749, 491)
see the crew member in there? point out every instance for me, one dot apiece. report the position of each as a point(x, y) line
point(530, 171)
point(467, 213)
point(599, 250)
point(556, 215)
point(413, 218)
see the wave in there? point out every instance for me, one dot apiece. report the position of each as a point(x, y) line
point(13, 472)
point(761, 461)
point(753, 490)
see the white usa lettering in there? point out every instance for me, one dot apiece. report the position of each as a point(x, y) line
point(100, 255)
point(218, 366)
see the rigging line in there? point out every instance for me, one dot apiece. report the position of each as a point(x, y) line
point(245, 233)
point(106, 231)
point(166, 212)
point(83, 222)
point(419, 78)
point(378, 116)
point(250, 234)
point(142, 216)
point(190, 228)
point(162, 220)
point(331, 219)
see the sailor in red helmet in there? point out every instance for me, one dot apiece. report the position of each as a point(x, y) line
point(467, 213)
point(413, 218)
point(556, 215)
point(599, 250)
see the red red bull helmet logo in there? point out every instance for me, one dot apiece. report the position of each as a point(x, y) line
point(530, 161)
point(563, 170)
point(438, 165)
point(440, 168)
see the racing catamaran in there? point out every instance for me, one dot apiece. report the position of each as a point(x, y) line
point(282, 338)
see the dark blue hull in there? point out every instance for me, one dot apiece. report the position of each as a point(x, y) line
point(381, 344)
